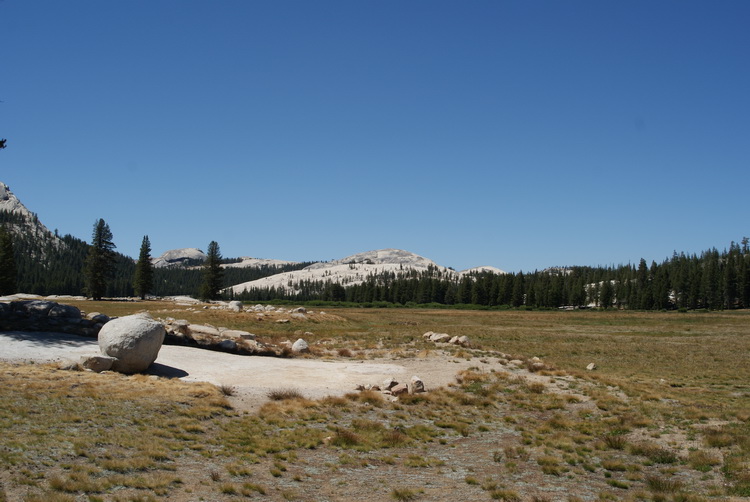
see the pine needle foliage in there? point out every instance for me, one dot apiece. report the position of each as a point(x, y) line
point(100, 262)
point(143, 282)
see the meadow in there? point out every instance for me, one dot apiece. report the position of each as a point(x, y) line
point(664, 417)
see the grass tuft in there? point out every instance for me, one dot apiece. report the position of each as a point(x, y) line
point(284, 394)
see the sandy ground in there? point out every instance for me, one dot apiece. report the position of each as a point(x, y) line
point(251, 376)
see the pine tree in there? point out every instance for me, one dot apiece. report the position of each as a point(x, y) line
point(213, 274)
point(144, 270)
point(8, 268)
point(100, 262)
point(606, 294)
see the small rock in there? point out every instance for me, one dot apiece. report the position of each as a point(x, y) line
point(235, 306)
point(591, 366)
point(534, 367)
point(282, 321)
point(236, 333)
point(300, 347)
point(399, 389)
point(440, 337)
point(98, 317)
point(97, 363)
point(417, 385)
point(68, 365)
point(463, 341)
point(227, 345)
point(453, 341)
point(199, 329)
point(389, 383)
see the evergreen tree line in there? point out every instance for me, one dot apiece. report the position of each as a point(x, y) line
point(54, 265)
point(711, 280)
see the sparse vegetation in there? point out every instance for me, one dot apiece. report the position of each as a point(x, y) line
point(632, 429)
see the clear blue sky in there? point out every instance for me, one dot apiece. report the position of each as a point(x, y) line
point(508, 133)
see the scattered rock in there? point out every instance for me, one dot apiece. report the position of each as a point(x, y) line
point(66, 311)
point(236, 333)
point(235, 306)
point(282, 321)
point(440, 337)
point(97, 363)
point(299, 316)
point(464, 341)
point(298, 310)
point(591, 366)
point(389, 383)
point(199, 329)
point(68, 365)
point(227, 345)
point(134, 340)
point(300, 347)
point(537, 366)
point(399, 389)
point(180, 326)
point(98, 317)
point(417, 385)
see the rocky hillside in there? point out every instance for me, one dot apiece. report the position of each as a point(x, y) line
point(179, 257)
point(22, 223)
point(353, 270)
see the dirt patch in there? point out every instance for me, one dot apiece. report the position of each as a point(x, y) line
point(252, 377)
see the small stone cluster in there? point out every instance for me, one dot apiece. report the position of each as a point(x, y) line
point(205, 336)
point(391, 387)
point(45, 315)
point(463, 341)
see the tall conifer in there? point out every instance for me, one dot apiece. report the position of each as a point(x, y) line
point(100, 262)
point(144, 270)
point(213, 274)
point(8, 268)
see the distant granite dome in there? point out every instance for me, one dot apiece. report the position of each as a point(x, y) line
point(479, 270)
point(178, 257)
point(347, 271)
point(380, 257)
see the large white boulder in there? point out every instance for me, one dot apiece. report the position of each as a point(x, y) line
point(133, 340)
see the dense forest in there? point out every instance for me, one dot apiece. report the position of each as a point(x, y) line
point(53, 265)
point(711, 280)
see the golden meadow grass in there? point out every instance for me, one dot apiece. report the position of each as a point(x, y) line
point(664, 417)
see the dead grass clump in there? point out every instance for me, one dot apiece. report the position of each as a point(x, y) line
point(345, 438)
point(536, 387)
point(718, 438)
point(284, 394)
point(654, 452)
point(660, 484)
point(344, 352)
point(615, 440)
point(227, 390)
point(702, 461)
point(367, 396)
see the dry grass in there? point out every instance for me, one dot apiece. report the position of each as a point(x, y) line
point(643, 426)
